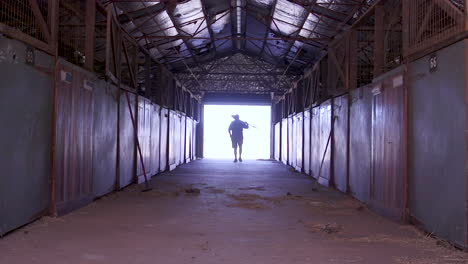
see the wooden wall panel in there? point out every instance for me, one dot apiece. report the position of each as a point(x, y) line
point(284, 141)
point(360, 143)
point(307, 149)
point(144, 116)
point(127, 147)
point(164, 139)
point(388, 184)
point(299, 123)
point(155, 140)
point(73, 157)
point(325, 143)
point(340, 142)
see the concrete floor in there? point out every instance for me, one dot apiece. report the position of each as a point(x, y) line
point(254, 212)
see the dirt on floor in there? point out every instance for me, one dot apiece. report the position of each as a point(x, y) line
point(214, 212)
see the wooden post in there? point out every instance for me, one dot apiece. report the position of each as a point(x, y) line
point(90, 23)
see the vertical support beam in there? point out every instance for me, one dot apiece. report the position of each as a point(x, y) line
point(109, 45)
point(379, 40)
point(53, 9)
point(466, 163)
point(465, 18)
point(89, 33)
point(406, 211)
point(272, 128)
point(353, 59)
point(200, 130)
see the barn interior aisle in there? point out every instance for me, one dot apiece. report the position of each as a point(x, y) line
point(214, 211)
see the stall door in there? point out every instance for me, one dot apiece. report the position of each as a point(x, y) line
point(299, 140)
point(387, 185)
point(306, 155)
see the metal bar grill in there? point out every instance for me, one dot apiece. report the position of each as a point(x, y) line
point(429, 22)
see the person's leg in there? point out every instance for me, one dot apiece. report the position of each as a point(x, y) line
point(240, 152)
point(235, 154)
point(234, 147)
point(241, 142)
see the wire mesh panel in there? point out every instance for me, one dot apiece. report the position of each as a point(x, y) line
point(100, 38)
point(365, 56)
point(19, 14)
point(72, 16)
point(393, 41)
point(429, 22)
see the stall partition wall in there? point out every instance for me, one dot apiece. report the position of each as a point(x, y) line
point(176, 139)
point(277, 146)
point(145, 111)
point(188, 139)
point(438, 198)
point(194, 140)
point(26, 106)
point(307, 130)
point(321, 143)
point(155, 140)
point(299, 134)
point(182, 134)
point(164, 140)
point(172, 140)
point(360, 142)
point(291, 142)
point(106, 109)
point(73, 156)
point(388, 176)
point(284, 141)
point(340, 142)
point(127, 147)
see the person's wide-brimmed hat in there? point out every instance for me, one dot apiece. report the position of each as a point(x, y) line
point(235, 116)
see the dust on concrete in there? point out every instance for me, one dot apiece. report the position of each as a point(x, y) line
point(328, 228)
point(214, 190)
point(249, 205)
point(253, 188)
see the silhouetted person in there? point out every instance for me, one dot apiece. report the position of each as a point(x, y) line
point(237, 137)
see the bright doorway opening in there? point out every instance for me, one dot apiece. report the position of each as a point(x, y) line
point(217, 143)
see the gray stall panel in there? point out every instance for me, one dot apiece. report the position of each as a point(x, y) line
point(437, 149)
point(26, 102)
point(155, 139)
point(163, 154)
point(127, 149)
point(277, 141)
point(360, 142)
point(105, 138)
point(307, 130)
